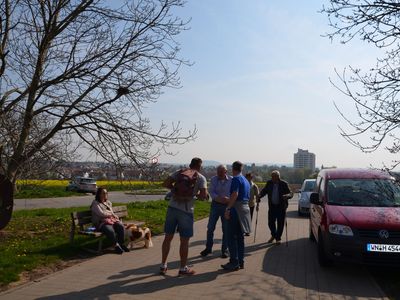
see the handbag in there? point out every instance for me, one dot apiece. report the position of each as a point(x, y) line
point(109, 221)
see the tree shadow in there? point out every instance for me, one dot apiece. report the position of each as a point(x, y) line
point(297, 264)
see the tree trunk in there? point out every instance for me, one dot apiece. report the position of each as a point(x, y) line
point(6, 201)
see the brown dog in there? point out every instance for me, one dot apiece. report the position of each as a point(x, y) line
point(135, 234)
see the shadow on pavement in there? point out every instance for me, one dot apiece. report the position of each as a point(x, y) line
point(388, 279)
point(130, 287)
point(297, 264)
point(146, 280)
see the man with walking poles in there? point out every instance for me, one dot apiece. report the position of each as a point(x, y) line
point(279, 193)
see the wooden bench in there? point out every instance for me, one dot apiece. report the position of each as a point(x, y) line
point(82, 220)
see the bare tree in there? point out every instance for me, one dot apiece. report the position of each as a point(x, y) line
point(375, 93)
point(79, 73)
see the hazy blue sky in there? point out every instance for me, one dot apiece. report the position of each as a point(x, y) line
point(259, 87)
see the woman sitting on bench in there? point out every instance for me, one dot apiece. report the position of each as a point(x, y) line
point(107, 222)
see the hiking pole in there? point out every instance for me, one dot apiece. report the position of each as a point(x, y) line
point(255, 229)
point(286, 230)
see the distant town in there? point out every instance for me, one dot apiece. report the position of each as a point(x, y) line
point(303, 167)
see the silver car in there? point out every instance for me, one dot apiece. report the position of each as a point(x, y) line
point(82, 185)
point(307, 188)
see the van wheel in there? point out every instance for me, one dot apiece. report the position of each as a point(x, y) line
point(323, 260)
point(311, 234)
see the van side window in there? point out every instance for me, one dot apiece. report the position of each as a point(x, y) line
point(317, 184)
point(322, 189)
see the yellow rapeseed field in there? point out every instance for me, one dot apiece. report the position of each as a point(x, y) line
point(110, 184)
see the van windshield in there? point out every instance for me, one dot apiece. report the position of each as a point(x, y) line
point(363, 192)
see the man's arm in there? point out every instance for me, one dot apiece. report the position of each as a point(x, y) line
point(232, 200)
point(202, 194)
point(288, 194)
point(263, 192)
point(231, 203)
point(213, 188)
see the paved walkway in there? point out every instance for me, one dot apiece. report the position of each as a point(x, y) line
point(271, 272)
point(73, 201)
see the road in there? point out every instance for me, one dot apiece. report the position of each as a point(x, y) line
point(60, 202)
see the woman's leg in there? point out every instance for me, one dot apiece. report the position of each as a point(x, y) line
point(108, 230)
point(120, 232)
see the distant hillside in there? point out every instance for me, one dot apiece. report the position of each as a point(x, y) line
point(210, 163)
point(214, 163)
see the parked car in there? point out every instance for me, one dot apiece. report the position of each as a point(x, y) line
point(355, 216)
point(82, 185)
point(307, 188)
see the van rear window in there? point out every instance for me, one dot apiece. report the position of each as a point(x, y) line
point(87, 180)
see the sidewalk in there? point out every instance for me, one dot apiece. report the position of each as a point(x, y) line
point(271, 272)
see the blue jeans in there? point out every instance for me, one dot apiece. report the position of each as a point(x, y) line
point(114, 232)
point(217, 211)
point(235, 239)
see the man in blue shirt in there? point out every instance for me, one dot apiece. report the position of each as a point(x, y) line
point(219, 190)
point(238, 218)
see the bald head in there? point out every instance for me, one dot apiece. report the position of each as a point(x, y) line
point(275, 176)
point(221, 171)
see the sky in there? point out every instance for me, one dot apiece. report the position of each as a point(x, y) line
point(259, 87)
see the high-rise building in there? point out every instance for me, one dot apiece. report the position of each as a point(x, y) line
point(304, 159)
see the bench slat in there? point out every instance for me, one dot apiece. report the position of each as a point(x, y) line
point(91, 233)
point(122, 209)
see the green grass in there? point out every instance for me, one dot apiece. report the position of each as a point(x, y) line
point(40, 237)
point(32, 191)
point(42, 190)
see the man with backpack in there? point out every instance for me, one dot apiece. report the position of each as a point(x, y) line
point(185, 185)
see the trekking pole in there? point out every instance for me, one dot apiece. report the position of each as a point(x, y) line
point(286, 230)
point(255, 229)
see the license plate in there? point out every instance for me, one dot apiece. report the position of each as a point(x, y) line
point(383, 248)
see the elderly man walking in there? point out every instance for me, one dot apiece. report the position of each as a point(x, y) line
point(279, 193)
point(238, 215)
point(220, 185)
